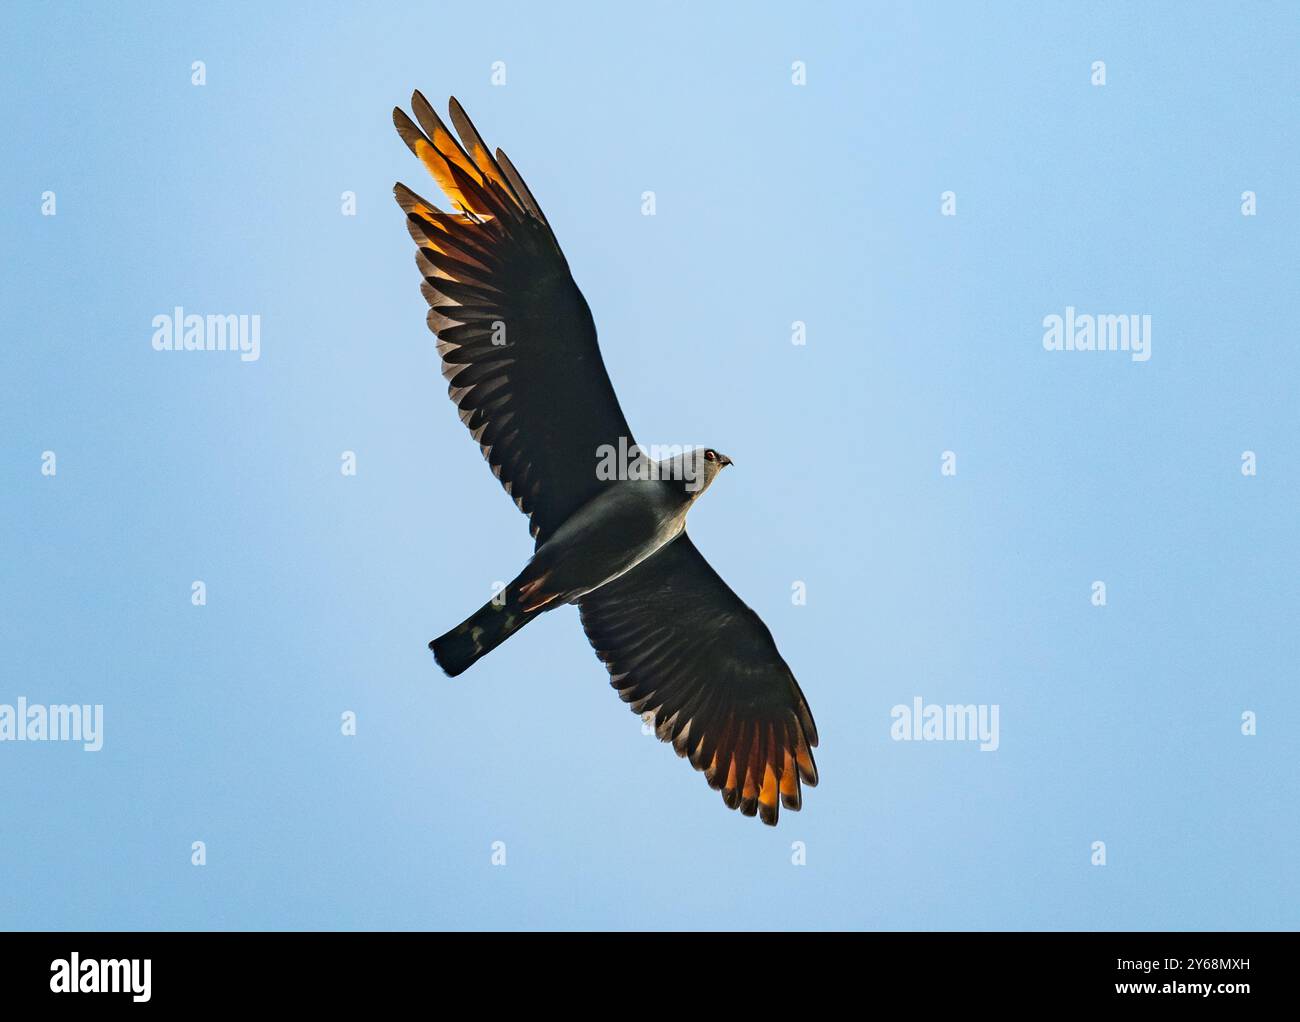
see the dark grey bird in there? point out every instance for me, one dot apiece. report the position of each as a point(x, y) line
point(518, 347)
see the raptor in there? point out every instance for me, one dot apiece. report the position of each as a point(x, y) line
point(518, 348)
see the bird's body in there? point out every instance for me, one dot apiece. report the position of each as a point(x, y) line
point(613, 532)
point(626, 522)
point(518, 345)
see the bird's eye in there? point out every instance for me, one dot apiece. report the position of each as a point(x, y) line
point(710, 456)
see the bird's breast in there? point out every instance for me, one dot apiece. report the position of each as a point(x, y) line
point(612, 533)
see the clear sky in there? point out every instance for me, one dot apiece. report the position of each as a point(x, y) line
point(775, 203)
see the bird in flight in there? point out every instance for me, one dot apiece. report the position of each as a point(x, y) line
point(518, 348)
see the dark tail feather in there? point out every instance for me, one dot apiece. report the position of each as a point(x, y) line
point(481, 633)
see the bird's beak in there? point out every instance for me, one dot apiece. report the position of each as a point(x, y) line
point(723, 460)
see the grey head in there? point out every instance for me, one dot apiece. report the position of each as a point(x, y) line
point(693, 471)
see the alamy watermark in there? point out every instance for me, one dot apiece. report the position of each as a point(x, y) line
point(75, 975)
point(932, 722)
point(658, 461)
point(235, 332)
point(54, 723)
point(1086, 332)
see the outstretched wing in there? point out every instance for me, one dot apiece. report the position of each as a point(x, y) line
point(517, 340)
point(681, 645)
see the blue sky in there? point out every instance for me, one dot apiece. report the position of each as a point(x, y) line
point(775, 203)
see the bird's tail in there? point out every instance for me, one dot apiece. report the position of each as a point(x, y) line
point(482, 632)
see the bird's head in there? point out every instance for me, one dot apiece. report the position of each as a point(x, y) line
point(703, 465)
point(691, 471)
